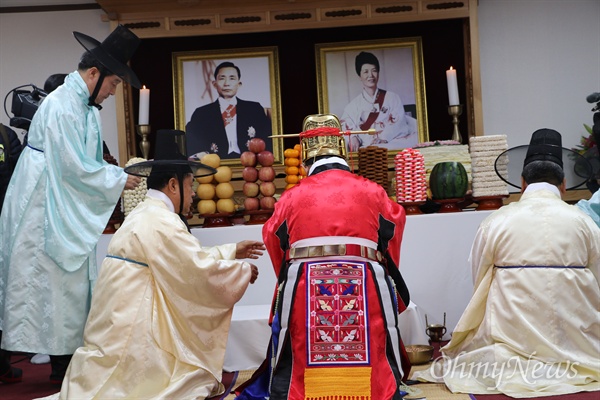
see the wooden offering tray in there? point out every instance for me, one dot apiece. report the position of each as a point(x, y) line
point(216, 220)
point(258, 216)
point(449, 205)
point(412, 207)
point(489, 202)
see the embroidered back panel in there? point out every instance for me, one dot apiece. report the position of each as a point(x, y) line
point(337, 326)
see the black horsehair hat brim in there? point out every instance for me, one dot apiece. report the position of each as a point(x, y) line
point(509, 166)
point(117, 67)
point(144, 168)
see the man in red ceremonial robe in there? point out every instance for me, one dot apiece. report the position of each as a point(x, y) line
point(334, 241)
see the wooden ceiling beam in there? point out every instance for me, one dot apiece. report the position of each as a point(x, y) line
point(170, 18)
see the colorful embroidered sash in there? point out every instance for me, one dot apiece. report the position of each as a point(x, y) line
point(337, 332)
point(337, 328)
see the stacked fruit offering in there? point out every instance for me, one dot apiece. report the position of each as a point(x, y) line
point(259, 176)
point(215, 191)
point(411, 180)
point(294, 171)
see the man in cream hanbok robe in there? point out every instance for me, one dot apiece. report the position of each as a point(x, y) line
point(533, 320)
point(532, 327)
point(162, 305)
point(160, 314)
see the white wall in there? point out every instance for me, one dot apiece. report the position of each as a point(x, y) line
point(540, 59)
point(34, 46)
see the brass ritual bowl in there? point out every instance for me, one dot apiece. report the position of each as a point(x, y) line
point(419, 353)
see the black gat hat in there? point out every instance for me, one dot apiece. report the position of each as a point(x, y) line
point(169, 157)
point(114, 52)
point(545, 145)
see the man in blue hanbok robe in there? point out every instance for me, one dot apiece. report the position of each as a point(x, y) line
point(57, 205)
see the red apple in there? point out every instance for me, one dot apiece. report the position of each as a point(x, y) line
point(256, 145)
point(267, 203)
point(251, 204)
point(265, 158)
point(248, 159)
point(267, 188)
point(250, 189)
point(250, 174)
point(266, 174)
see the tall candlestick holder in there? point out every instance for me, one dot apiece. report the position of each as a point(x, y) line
point(144, 131)
point(455, 111)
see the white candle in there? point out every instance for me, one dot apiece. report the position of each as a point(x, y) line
point(452, 87)
point(144, 113)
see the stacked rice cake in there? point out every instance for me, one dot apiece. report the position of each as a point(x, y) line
point(484, 150)
point(411, 181)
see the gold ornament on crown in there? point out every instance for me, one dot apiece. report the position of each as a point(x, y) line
point(323, 145)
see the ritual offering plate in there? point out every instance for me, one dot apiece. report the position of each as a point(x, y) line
point(238, 217)
point(419, 353)
point(216, 220)
point(489, 202)
point(258, 216)
point(449, 205)
point(413, 207)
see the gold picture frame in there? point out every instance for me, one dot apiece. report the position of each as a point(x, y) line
point(195, 89)
point(401, 74)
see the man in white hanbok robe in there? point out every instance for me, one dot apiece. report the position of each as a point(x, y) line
point(59, 200)
point(532, 327)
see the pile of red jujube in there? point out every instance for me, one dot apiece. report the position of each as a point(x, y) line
point(258, 175)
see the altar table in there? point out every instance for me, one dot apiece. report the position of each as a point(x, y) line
point(433, 261)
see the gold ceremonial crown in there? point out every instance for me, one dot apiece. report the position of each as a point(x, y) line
point(323, 144)
point(322, 136)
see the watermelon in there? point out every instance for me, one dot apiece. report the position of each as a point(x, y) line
point(448, 180)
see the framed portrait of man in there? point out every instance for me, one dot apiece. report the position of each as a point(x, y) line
point(376, 86)
point(225, 98)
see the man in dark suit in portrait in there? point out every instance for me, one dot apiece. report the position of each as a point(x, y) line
point(225, 126)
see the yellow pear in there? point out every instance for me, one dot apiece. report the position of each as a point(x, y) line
point(205, 179)
point(205, 191)
point(224, 190)
point(223, 174)
point(225, 206)
point(207, 207)
point(212, 160)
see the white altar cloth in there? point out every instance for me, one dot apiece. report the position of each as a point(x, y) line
point(433, 261)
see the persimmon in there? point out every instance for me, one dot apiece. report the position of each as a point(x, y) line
point(292, 162)
point(292, 170)
point(291, 179)
point(291, 153)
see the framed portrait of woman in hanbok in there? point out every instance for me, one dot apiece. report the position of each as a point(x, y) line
point(225, 98)
point(376, 86)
